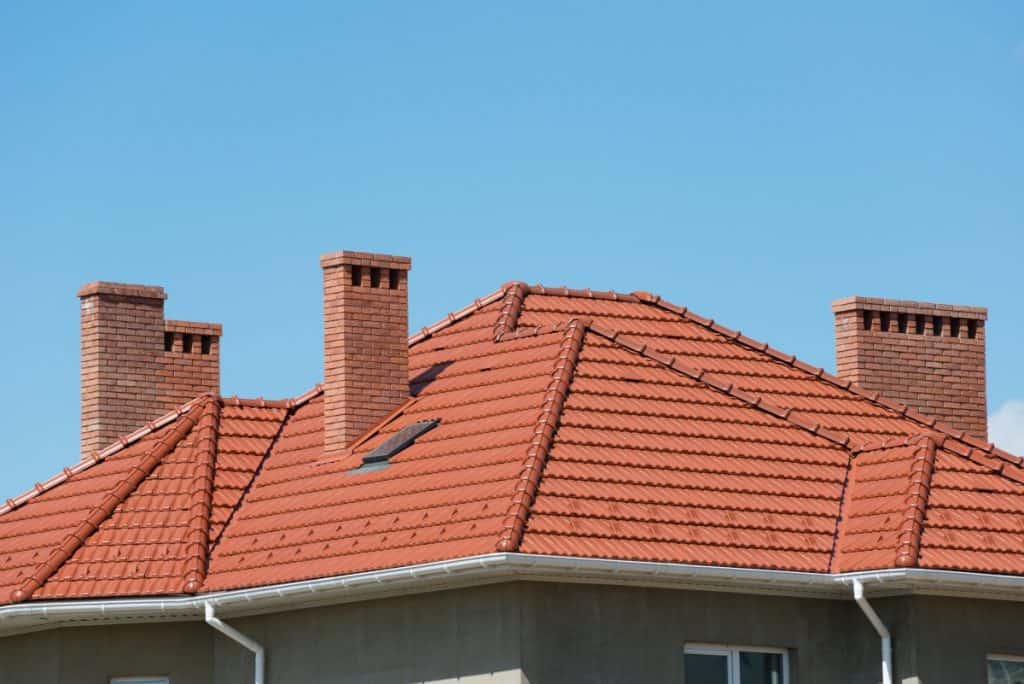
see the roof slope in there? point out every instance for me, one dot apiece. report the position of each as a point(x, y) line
point(445, 496)
point(572, 423)
point(651, 465)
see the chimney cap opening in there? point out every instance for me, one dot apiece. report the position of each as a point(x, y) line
point(925, 355)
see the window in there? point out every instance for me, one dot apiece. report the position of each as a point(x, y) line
point(713, 664)
point(1003, 669)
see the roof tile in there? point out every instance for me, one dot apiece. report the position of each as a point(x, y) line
point(573, 422)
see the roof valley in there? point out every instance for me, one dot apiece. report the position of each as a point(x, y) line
point(290, 409)
point(837, 533)
point(508, 319)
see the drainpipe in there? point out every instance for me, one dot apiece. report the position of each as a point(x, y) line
point(876, 622)
point(233, 634)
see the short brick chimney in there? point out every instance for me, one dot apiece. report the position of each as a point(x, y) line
point(136, 366)
point(928, 356)
point(366, 348)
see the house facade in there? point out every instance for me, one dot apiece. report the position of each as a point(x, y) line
point(549, 485)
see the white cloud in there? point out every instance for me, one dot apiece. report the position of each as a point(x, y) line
point(1006, 426)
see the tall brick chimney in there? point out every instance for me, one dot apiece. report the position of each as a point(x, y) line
point(137, 366)
point(366, 349)
point(928, 356)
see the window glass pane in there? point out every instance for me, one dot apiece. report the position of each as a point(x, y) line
point(706, 669)
point(1005, 672)
point(760, 668)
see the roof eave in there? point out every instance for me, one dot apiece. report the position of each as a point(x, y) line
point(503, 567)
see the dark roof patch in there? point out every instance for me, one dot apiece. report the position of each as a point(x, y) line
point(404, 438)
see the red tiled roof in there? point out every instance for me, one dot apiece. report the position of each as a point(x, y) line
point(572, 423)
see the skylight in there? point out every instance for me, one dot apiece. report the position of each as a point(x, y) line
point(404, 438)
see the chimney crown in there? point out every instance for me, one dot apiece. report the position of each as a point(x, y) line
point(928, 356)
point(101, 287)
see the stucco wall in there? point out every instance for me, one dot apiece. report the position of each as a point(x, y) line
point(471, 633)
point(607, 635)
point(533, 632)
point(425, 638)
point(91, 655)
point(952, 637)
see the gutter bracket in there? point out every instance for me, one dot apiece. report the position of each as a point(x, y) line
point(236, 636)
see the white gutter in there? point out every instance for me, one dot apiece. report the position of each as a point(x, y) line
point(234, 634)
point(499, 567)
point(883, 632)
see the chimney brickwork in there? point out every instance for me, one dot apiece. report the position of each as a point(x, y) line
point(928, 356)
point(136, 366)
point(366, 349)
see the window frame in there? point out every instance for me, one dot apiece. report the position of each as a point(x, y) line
point(1001, 657)
point(732, 655)
point(141, 679)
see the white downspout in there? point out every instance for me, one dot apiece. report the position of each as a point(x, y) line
point(235, 635)
point(876, 622)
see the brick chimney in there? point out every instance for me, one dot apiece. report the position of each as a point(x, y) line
point(928, 356)
point(366, 342)
point(366, 349)
point(137, 366)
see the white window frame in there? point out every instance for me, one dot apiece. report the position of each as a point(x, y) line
point(1002, 657)
point(732, 655)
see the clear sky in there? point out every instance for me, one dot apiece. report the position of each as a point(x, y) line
point(751, 161)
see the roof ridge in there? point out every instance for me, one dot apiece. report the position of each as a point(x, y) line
point(727, 388)
point(260, 402)
point(987, 448)
point(563, 291)
point(149, 428)
point(508, 319)
point(197, 538)
point(908, 545)
point(891, 442)
point(424, 333)
point(536, 330)
point(73, 541)
point(909, 412)
point(543, 437)
point(456, 316)
point(87, 462)
point(1010, 469)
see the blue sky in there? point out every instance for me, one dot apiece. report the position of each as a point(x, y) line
point(751, 161)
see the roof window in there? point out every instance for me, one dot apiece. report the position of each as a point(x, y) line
point(381, 454)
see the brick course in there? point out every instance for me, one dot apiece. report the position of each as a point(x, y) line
point(928, 356)
point(134, 366)
point(366, 348)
